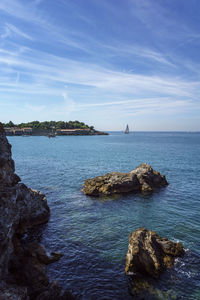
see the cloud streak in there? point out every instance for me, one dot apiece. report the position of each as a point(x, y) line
point(49, 73)
point(11, 30)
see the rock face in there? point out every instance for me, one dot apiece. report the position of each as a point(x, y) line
point(22, 268)
point(142, 179)
point(150, 254)
point(20, 207)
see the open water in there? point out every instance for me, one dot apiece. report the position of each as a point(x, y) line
point(93, 233)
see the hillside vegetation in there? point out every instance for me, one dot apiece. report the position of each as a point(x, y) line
point(50, 125)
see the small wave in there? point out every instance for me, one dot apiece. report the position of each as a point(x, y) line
point(131, 273)
point(187, 274)
point(186, 250)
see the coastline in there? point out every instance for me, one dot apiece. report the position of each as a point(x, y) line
point(78, 132)
point(50, 128)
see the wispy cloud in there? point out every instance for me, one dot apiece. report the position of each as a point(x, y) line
point(73, 38)
point(164, 22)
point(27, 12)
point(48, 69)
point(140, 51)
point(10, 30)
point(142, 106)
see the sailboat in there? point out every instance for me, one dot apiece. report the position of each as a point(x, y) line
point(127, 129)
point(52, 133)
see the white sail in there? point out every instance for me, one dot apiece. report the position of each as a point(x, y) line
point(127, 129)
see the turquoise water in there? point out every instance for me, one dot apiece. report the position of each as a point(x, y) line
point(93, 233)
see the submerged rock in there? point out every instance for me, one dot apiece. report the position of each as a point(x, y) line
point(150, 254)
point(142, 179)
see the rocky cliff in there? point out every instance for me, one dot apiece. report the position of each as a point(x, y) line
point(22, 272)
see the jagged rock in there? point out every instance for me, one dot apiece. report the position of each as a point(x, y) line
point(28, 268)
point(38, 251)
point(142, 179)
point(150, 254)
point(7, 166)
point(20, 207)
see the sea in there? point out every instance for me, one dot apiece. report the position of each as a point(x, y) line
point(92, 233)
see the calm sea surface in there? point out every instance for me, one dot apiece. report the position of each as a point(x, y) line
point(93, 233)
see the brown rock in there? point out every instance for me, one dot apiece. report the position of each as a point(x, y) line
point(142, 179)
point(150, 254)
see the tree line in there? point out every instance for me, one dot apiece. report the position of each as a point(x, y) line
point(50, 125)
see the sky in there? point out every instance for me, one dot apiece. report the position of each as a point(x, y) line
point(107, 63)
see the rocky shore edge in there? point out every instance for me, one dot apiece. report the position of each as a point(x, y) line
point(22, 266)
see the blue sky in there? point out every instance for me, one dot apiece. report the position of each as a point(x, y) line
point(104, 62)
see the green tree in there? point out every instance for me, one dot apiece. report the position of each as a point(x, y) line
point(10, 124)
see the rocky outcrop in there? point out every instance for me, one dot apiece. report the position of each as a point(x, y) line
point(28, 266)
point(142, 179)
point(20, 207)
point(22, 267)
point(150, 254)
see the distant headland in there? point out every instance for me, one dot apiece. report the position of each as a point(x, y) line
point(48, 127)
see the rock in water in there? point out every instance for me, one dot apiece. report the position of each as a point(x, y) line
point(142, 179)
point(150, 254)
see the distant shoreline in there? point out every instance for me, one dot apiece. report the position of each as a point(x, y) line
point(64, 132)
point(50, 129)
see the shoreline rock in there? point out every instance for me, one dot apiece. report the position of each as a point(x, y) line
point(22, 267)
point(143, 179)
point(150, 254)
